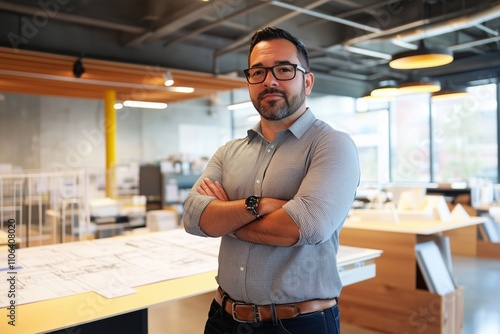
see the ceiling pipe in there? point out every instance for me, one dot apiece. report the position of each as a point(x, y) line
point(452, 25)
point(382, 33)
point(174, 24)
point(472, 44)
point(487, 30)
point(367, 52)
point(324, 16)
point(217, 23)
point(402, 33)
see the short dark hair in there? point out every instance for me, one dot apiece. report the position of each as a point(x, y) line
point(270, 33)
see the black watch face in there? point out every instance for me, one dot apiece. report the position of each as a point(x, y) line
point(252, 201)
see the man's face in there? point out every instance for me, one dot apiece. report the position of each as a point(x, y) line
point(275, 99)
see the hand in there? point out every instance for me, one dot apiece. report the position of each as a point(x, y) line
point(211, 188)
point(269, 205)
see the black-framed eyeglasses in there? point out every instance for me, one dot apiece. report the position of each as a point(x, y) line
point(282, 72)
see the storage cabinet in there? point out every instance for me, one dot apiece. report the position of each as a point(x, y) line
point(396, 300)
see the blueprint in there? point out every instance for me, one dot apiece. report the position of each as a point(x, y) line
point(111, 267)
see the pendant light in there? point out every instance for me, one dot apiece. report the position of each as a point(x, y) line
point(449, 94)
point(367, 96)
point(418, 87)
point(423, 57)
point(386, 88)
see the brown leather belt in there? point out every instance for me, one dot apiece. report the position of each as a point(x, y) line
point(250, 313)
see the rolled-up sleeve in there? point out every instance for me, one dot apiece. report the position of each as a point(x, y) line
point(195, 203)
point(327, 191)
point(193, 208)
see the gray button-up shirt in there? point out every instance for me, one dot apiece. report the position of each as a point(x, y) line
point(315, 168)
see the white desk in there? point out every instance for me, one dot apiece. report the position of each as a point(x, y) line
point(89, 308)
point(423, 227)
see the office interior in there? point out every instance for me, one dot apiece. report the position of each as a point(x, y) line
point(80, 162)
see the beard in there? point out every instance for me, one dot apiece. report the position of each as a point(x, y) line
point(276, 110)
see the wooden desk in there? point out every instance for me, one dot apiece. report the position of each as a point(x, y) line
point(76, 313)
point(488, 248)
point(395, 300)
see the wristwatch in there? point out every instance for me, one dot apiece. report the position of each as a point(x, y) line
point(251, 204)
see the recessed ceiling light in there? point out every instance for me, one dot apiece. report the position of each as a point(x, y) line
point(144, 104)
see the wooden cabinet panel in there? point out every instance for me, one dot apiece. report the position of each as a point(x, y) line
point(396, 266)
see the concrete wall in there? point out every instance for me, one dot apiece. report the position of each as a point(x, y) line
point(47, 133)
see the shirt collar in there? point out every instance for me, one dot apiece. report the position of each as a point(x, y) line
point(298, 128)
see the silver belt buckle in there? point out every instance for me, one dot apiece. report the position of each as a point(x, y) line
point(255, 313)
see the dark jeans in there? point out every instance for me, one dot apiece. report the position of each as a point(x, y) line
point(321, 322)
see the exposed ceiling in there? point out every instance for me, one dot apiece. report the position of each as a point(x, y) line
point(350, 42)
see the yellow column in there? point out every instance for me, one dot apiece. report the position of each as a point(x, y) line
point(110, 135)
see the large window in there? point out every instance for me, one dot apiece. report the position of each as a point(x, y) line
point(244, 119)
point(413, 139)
point(369, 130)
point(410, 153)
point(465, 136)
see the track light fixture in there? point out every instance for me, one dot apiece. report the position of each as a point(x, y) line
point(78, 68)
point(144, 104)
point(169, 78)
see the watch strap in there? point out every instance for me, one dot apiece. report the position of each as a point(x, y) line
point(255, 213)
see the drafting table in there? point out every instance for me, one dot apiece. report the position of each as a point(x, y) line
point(192, 259)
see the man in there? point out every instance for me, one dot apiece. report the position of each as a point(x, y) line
point(278, 198)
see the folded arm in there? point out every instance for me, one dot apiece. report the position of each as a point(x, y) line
point(275, 229)
point(222, 217)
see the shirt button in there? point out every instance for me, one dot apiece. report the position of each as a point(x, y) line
point(242, 269)
point(257, 181)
